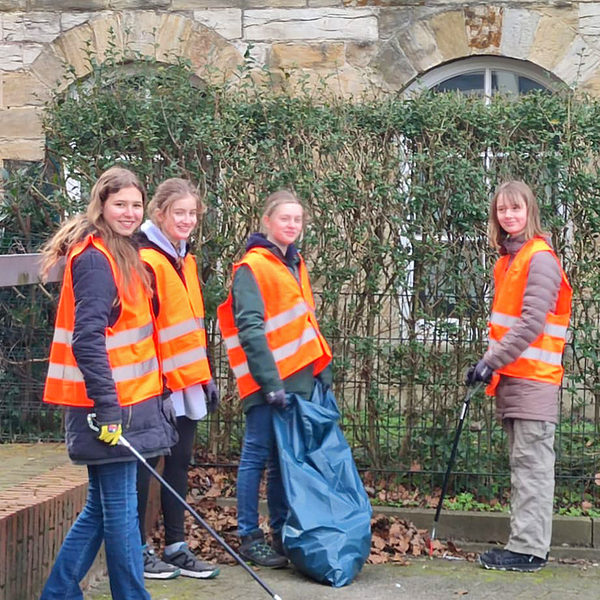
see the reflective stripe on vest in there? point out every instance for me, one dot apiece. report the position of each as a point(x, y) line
point(559, 331)
point(542, 359)
point(180, 323)
point(130, 347)
point(290, 326)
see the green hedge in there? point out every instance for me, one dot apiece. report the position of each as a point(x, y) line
point(398, 192)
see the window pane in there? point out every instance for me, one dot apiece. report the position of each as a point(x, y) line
point(505, 82)
point(528, 85)
point(468, 83)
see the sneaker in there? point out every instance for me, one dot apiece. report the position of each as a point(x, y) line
point(189, 564)
point(506, 560)
point(254, 549)
point(154, 568)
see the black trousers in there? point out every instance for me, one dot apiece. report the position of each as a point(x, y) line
point(175, 473)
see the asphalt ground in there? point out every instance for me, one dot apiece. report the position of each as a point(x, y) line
point(422, 579)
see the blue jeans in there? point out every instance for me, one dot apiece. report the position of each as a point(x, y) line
point(109, 515)
point(259, 449)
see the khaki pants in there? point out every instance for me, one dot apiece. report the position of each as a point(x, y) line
point(531, 453)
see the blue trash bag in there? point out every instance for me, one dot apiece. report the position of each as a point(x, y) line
point(327, 533)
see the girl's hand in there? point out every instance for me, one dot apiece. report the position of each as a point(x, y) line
point(110, 434)
point(212, 395)
point(277, 398)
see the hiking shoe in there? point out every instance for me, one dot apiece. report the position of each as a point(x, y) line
point(187, 562)
point(154, 568)
point(506, 560)
point(277, 543)
point(254, 549)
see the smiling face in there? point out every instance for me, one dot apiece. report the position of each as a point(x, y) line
point(512, 214)
point(178, 220)
point(123, 211)
point(284, 224)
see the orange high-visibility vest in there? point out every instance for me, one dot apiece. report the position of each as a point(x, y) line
point(291, 327)
point(129, 344)
point(180, 322)
point(542, 360)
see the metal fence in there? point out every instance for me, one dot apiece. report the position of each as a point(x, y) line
point(399, 393)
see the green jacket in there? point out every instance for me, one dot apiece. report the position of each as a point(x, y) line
point(248, 314)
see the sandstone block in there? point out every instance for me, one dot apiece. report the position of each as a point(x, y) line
point(589, 19)
point(31, 27)
point(31, 52)
point(579, 62)
point(310, 24)
point(555, 32)
point(360, 54)
point(318, 3)
point(312, 56)
point(20, 122)
point(13, 4)
point(48, 68)
point(22, 149)
point(192, 4)
point(275, 3)
point(205, 48)
point(60, 5)
point(11, 56)
point(450, 34)
point(420, 47)
point(173, 33)
point(225, 21)
point(107, 30)
point(139, 28)
point(518, 32)
point(72, 46)
point(139, 4)
point(395, 68)
point(70, 20)
point(22, 89)
point(484, 27)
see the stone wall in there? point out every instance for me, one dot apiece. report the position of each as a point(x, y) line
point(368, 45)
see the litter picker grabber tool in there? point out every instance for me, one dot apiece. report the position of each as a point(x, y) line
point(124, 442)
point(472, 390)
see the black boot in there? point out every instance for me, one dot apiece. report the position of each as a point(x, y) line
point(255, 549)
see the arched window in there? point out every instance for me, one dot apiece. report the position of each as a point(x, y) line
point(485, 76)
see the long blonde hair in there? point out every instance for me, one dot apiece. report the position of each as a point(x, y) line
point(125, 254)
point(515, 193)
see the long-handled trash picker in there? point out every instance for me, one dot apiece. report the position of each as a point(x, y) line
point(463, 413)
point(124, 442)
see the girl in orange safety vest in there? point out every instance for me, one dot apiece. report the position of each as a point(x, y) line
point(523, 366)
point(274, 347)
point(103, 361)
point(179, 316)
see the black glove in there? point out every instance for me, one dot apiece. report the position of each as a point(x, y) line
point(212, 395)
point(277, 398)
point(479, 372)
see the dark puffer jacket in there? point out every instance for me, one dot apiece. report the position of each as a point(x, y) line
point(148, 425)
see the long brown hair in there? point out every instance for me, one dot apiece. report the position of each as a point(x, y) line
point(73, 231)
point(515, 193)
point(168, 192)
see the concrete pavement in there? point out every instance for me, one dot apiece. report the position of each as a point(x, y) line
point(423, 579)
